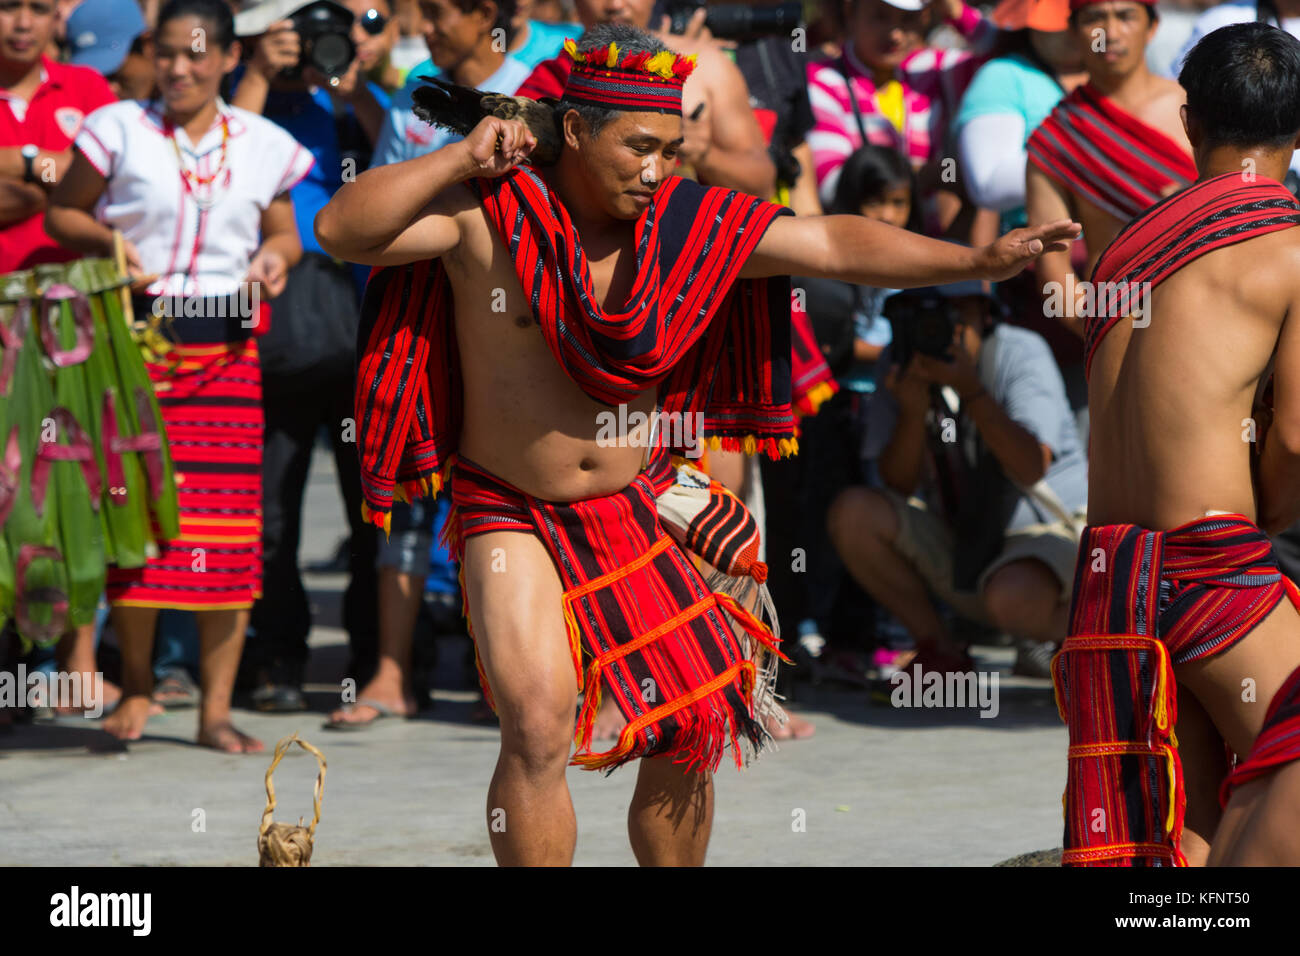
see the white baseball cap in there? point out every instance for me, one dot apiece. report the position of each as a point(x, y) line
point(909, 5)
point(256, 17)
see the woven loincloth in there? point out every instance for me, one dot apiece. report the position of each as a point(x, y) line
point(1144, 601)
point(642, 623)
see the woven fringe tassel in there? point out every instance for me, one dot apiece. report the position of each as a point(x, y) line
point(752, 445)
point(810, 402)
point(750, 602)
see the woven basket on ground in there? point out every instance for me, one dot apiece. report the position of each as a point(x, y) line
point(283, 844)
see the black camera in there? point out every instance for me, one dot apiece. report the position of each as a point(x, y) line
point(737, 21)
point(323, 30)
point(923, 322)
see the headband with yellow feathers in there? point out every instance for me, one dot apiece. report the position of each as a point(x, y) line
point(607, 78)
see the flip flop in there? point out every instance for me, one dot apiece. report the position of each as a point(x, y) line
point(176, 690)
point(383, 711)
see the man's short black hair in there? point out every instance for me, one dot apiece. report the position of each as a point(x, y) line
point(1243, 86)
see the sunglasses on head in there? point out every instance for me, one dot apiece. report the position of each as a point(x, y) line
point(373, 22)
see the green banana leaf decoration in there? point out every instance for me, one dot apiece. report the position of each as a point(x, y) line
point(86, 477)
point(144, 418)
point(40, 575)
point(63, 317)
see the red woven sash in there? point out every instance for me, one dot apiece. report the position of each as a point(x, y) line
point(1211, 214)
point(1108, 156)
point(709, 341)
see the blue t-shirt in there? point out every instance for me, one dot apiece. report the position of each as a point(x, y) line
point(308, 116)
point(545, 40)
point(1016, 85)
point(1024, 380)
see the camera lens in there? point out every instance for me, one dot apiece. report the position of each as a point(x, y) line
point(331, 53)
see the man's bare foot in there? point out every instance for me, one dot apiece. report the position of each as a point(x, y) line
point(223, 736)
point(794, 728)
point(127, 721)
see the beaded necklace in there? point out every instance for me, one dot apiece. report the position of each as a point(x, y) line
point(193, 181)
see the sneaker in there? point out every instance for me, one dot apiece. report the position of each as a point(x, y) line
point(1034, 659)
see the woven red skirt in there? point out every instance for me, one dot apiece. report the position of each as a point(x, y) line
point(211, 402)
point(643, 625)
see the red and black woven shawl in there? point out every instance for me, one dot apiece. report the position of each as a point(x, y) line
point(813, 381)
point(1183, 227)
point(707, 340)
point(642, 623)
point(1108, 156)
point(1144, 601)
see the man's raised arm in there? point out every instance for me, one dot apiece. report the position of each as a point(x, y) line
point(866, 252)
point(405, 212)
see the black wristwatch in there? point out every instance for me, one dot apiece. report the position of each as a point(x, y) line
point(29, 154)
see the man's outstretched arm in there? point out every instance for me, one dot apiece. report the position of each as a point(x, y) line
point(405, 212)
point(863, 251)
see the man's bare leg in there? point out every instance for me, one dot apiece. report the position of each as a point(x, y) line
point(1259, 823)
point(1200, 749)
point(1025, 599)
point(400, 594)
point(515, 602)
point(863, 527)
point(671, 814)
point(1236, 688)
point(221, 641)
point(135, 629)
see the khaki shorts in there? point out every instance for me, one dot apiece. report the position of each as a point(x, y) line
point(927, 544)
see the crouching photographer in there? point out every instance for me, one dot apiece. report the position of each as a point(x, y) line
point(984, 481)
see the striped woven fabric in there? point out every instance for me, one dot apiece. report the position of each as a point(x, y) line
point(642, 624)
point(709, 342)
point(1144, 601)
point(1108, 156)
point(211, 402)
point(812, 380)
point(706, 519)
point(1211, 214)
point(1278, 741)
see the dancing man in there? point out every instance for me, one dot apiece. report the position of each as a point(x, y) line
point(1183, 631)
point(598, 281)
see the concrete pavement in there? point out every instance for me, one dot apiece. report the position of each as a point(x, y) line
point(876, 785)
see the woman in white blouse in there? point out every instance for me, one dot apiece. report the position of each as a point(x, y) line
point(200, 190)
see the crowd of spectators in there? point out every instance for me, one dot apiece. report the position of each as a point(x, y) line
point(938, 496)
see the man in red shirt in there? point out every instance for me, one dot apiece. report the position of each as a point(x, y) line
point(42, 104)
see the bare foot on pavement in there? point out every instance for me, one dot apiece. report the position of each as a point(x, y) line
point(224, 736)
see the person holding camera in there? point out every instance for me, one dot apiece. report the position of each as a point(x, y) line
point(304, 75)
point(982, 406)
